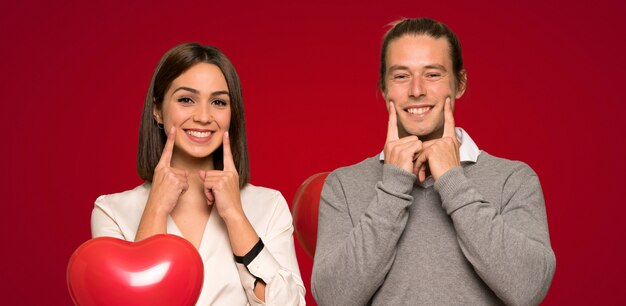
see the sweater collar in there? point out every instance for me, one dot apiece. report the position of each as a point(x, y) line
point(468, 151)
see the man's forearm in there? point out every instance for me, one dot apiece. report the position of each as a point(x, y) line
point(510, 250)
point(351, 262)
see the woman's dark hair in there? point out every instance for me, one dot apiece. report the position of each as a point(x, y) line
point(429, 27)
point(152, 138)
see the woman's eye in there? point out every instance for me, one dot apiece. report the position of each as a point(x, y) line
point(185, 100)
point(220, 102)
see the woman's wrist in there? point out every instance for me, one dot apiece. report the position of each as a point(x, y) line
point(154, 210)
point(234, 217)
point(241, 233)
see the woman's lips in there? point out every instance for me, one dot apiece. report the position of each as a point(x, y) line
point(199, 136)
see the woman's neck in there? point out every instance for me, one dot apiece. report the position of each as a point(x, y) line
point(195, 194)
point(192, 164)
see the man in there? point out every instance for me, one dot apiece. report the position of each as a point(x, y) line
point(432, 220)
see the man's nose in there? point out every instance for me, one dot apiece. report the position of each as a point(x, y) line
point(417, 87)
point(202, 113)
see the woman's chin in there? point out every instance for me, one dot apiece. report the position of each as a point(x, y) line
point(198, 153)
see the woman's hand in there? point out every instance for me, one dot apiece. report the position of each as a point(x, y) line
point(222, 187)
point(168, 183)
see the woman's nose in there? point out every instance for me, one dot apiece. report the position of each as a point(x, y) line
point(203, 113)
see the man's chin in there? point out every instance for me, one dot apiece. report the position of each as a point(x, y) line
point(424, 135)
point(422, 131)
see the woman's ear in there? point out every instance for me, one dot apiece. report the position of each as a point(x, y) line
point(156, 113)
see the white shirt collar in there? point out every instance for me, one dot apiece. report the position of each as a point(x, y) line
point(468, 151)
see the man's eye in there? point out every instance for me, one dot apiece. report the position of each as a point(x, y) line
point(400, 76)
point(185, 100)
point(433, 75)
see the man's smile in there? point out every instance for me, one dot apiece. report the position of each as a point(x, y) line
point(418, 110)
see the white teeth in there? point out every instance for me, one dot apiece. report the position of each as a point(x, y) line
point(418, 111)
point(199, 134)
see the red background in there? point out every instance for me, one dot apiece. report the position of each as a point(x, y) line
point(544, 87)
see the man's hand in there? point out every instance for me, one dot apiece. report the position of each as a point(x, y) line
point(440, 155)
point(400, 152)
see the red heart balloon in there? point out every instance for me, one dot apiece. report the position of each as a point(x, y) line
point(160, 270)
point(305, 206)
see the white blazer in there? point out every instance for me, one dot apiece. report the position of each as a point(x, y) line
point(225, 282)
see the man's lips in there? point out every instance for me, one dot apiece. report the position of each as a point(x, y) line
point(418, 109)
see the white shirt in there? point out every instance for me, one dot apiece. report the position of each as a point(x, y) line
point(225, 282)
point(468, 151)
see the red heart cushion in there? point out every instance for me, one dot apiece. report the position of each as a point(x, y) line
point(305, 206)
point(160, 270)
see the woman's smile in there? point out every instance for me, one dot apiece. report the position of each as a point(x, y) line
point(199, 135)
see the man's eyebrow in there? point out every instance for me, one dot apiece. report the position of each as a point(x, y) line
point(431, 66)
point(398, 67)
point(436, 66)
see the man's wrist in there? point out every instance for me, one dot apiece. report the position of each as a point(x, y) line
point(397, 179)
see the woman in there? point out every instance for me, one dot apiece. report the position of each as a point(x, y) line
point(193, 157)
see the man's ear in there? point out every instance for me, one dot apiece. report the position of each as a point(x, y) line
point(384, 95)
point(462, 84)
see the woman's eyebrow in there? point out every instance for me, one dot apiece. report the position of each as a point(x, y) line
point(219, 93)
point(195, 91)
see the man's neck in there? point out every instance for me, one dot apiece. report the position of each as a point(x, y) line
point(431, 136)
